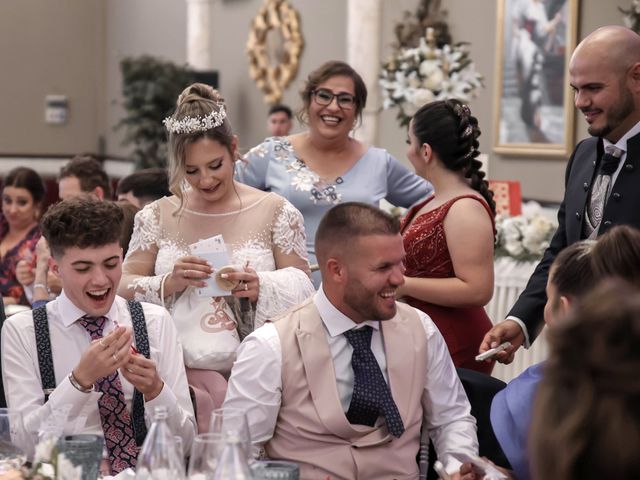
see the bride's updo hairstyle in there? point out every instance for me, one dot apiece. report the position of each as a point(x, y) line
point(452, 132)
point(200, 112)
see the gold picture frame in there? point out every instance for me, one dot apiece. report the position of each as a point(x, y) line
point(533, 111)
point(276, 18)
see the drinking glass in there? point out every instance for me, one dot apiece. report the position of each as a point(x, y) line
point(179, 446)
point(83, 450)
point(275, 470)
point(12, 440)
point(232, 420)
point(205, 453)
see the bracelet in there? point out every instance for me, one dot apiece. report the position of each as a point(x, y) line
point(77, 385)
point(41, 285)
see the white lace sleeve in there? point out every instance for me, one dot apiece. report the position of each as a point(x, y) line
point(280, 290)
point(289, 236)
point(139, 280)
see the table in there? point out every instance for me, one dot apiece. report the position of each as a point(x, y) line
point(510, 279)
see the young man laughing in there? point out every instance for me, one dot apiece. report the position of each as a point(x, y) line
point(78, 349)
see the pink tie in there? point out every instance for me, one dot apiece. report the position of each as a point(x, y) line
point(116, 419)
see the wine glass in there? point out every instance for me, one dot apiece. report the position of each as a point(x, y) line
point(232, 420)
point(12, 437)
point(205, 454)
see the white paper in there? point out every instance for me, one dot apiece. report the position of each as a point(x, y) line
point(213, 250)
point(489, 470)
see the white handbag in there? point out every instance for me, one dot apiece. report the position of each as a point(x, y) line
point(207, 330)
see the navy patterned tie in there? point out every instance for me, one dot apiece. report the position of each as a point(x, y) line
point(371, 395)
point(116, 421)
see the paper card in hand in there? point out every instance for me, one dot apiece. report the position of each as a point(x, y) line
point(215, 252)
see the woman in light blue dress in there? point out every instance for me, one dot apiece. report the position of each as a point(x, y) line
point(325, 165)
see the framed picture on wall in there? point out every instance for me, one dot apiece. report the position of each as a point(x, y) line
point(534, 111)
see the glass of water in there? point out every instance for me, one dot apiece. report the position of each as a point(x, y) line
point(12, 440)
point(226, 420)
point(205, 454)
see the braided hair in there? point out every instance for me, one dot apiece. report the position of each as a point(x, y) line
point(452, 132)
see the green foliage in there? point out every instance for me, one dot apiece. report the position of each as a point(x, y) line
point(150, 87)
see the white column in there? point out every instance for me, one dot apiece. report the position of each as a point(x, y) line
point(199, 34)
point(363, 54)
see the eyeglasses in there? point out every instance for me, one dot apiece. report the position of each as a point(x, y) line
point(324, 97)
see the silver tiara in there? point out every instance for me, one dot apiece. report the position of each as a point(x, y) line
point(196, 124)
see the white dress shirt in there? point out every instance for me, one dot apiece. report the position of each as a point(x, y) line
point(255, 385)
point(21, 374)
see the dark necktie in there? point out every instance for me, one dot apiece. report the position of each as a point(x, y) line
point(116, 420)
point(371, 395)
point(601, 185)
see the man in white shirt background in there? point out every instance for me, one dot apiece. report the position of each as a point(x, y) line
point(343, 383)
point(96, 370)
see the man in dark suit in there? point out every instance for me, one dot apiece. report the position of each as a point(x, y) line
point(601, 190)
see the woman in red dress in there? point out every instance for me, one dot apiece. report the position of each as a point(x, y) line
point(449, 237)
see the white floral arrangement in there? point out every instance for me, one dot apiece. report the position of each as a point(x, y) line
point(416, 76)
point(524, 237)
point(49, 464)
point(631, 16)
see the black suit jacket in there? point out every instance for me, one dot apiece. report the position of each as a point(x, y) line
point(622, 208)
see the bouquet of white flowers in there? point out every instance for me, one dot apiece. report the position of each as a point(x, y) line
point(524, 237)
point(49, 464)
point(631, 16)
point(416, 76)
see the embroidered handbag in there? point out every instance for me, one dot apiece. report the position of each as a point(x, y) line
point(207, 329)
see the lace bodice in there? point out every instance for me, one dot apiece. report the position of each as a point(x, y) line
point(269, 234)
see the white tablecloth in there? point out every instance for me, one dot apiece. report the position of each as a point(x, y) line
point(510, 279)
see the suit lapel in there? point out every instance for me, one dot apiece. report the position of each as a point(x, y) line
point(398, 345)
point(579, 187)
point(321, 379)
point(626, 183)
point(320, 373)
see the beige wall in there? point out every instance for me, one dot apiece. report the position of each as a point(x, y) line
point(50, 48)
point(134, 28)
point(74, 47)
point(158, 27)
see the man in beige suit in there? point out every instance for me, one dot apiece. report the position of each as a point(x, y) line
point(343, 383)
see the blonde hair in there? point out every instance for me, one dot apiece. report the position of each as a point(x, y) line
point(197, 100)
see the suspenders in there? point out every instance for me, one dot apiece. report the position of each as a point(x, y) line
point(45, 360)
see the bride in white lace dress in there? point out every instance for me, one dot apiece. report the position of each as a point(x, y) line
point(263, 231)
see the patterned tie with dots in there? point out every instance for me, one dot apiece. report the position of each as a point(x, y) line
point(371, 395)
point(116, 419)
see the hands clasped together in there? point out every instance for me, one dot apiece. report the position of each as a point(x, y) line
point(115, 352)
point(192, 271)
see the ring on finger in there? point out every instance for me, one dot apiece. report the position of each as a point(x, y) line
point(246, 286)
point(184, 274)
point(115, 356)
point(103, 343)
